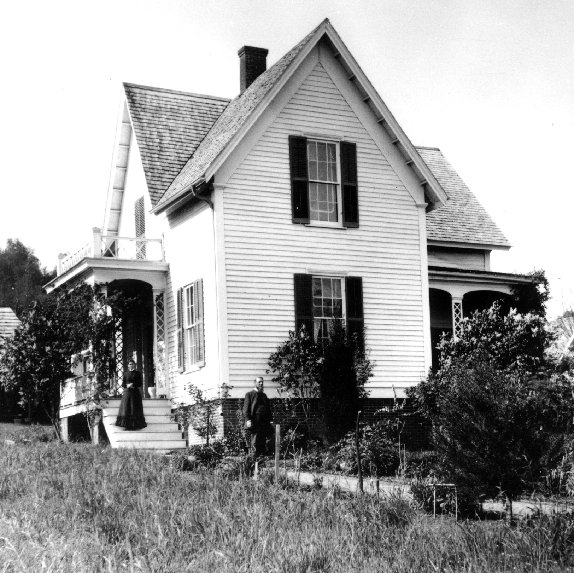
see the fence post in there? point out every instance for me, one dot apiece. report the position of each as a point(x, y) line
point(359, 468)
point(277, 451)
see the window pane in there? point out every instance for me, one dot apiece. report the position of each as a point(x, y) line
point(322, 151)
point(312, 150)
point(331, 152)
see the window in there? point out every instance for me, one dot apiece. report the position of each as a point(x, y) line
point(324, 194)
point(190, 337)
point(327, 305)
point(323, 182)
point(319, 300)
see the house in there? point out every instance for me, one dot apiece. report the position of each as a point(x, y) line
point(300, 201)
point(9, 322)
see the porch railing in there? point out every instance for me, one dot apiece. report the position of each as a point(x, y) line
point(77, 390)
point(111, 246)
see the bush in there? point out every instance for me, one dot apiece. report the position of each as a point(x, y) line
point(208, 456)
point(421, 465)
point(445, 500)
point(379, 452)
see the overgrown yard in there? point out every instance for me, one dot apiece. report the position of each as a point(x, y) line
point(83, 508)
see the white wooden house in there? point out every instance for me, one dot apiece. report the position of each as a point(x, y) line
point(299, 201)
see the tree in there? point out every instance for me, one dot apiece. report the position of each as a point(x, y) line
point(38, 358)
point(21, 277)
point(498, 407)
point(334, 373)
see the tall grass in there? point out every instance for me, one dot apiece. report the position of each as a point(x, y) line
point(83, 508)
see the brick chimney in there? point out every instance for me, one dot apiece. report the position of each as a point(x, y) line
point(252, 63)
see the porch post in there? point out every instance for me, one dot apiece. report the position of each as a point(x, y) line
point(159, 342)
point(456, 316)
point(64, 432)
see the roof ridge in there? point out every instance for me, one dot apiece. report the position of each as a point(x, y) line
point(179, 92)
point(427, 147)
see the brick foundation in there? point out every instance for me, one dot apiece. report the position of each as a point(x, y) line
point(415, 435)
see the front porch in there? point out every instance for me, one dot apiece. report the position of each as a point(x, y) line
point(134, 268)
point(455, 294)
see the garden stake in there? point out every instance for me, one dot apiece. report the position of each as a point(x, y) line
point(360, 470)
point(277, 451)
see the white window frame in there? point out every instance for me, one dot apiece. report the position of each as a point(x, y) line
point(337, 184)
point(342, 282)
point(192, 327)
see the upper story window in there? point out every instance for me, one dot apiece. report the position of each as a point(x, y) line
point(324, 187)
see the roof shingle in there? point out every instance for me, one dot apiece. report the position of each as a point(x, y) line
point(169, 125)
point(231, 121)
point(463, 219)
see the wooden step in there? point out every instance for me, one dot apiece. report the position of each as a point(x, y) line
point(143, 435)
point(160, 434)
point(167, 445)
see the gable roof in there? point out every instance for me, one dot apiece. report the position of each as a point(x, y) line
point(240, 114)
point(8, 322)
point(230, 122)
point(462, 219)
point(169, 126)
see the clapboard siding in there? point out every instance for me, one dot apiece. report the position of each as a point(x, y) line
point(190, 251)
point(263, 249)
point(458, 258)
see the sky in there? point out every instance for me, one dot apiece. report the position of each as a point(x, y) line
point(490, 82)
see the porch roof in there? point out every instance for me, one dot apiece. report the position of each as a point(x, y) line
point(105, 270)
point(476, 276)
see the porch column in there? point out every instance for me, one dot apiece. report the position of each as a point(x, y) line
point(456, 316)
point(159, 342)
point(64, 431)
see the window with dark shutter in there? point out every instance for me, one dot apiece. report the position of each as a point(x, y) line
point(354, 311)
point(349, 184)
point(318, 302)
point(324, 188)
point(190, 327)
point(179, 319)
point(299, 179)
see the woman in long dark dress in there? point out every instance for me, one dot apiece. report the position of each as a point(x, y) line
point(130, 414)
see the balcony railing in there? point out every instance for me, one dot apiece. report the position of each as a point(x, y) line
point(111, 246)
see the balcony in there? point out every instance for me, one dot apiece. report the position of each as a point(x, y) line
point(110, 246)
point(106, 258)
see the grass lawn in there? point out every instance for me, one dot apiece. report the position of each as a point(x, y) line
point(77, 507)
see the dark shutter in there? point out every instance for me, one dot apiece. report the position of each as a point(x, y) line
point(354, 296)
point(299, 179)
point(179, 318)
point(304, 302)
point(198, 293)
point(349, 184)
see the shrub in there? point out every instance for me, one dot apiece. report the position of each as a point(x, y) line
point(379, 452)
point(420, 465)
point(334, 373)
point(445, 500)
point(208, 456)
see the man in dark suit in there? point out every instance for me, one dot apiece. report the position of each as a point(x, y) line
point(257, 413)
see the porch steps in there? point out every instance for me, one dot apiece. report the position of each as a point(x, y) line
point(161, 433)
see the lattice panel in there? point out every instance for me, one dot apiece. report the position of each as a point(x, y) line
point(457, 318)
point(139, 212)
point(159, 343)
point(119, 355)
